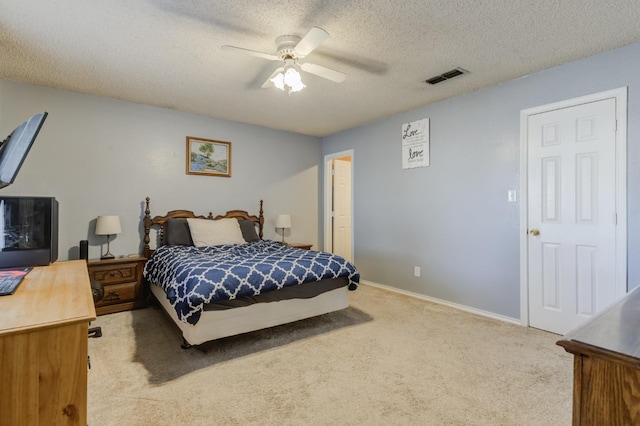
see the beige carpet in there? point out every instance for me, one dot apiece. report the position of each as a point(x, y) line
point(386, 360)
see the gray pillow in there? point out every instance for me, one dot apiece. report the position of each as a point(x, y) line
point(248, 229)
point(177, 233)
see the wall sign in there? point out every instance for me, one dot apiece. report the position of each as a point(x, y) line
point(415, 144)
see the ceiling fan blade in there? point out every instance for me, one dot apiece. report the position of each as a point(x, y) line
point(324, 72)
point(268, 83)
point(250, 52)
point(309, 42)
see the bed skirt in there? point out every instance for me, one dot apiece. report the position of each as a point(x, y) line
point(218, 324)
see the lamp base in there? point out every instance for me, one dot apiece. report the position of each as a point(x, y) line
point(108, 254)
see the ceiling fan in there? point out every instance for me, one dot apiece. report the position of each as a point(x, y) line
point(291, 49)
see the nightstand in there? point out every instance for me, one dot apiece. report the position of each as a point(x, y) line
point(300, 246)
point(122, 281)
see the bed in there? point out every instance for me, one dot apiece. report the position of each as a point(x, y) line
point(217, 277)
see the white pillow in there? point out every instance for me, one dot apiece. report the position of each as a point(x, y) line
point(206, 232)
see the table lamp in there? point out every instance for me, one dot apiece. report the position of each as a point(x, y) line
point(283, 221)
point(108, 225)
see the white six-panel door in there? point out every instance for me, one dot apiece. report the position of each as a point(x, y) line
point(571, 214)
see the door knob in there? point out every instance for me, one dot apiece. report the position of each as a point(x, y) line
point(535, 232)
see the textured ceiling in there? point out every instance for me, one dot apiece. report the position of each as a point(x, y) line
point(167, 53)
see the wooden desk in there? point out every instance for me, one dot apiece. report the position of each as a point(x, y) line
point(44, 347)
point(606, 368)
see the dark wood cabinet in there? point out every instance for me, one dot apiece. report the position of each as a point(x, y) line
point(606, 369)
point(122, 282)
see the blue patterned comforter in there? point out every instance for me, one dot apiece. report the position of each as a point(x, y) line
point(193, 276)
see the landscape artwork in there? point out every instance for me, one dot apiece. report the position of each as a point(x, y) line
point(208, 157)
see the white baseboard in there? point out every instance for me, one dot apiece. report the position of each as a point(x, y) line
point(465, 308)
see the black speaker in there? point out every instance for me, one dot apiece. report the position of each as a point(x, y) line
point(84, 249)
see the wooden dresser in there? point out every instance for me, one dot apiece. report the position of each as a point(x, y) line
point(606, 368)
point(44, 347)
point(122, 281)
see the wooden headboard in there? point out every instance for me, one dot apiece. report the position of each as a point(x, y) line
point(161, 220)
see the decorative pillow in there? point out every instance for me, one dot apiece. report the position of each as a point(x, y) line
point(176, 232)
point(205, 232)
point(248, 229)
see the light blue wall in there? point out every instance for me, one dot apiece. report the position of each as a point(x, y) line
point(452, 219)
point(102, 156)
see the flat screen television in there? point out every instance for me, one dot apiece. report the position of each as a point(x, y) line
point(28, 231)
point(16, 146)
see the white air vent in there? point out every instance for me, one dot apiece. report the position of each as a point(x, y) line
point(446, 76)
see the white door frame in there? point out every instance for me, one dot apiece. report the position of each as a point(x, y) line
point(327, 196)
point(620, 95)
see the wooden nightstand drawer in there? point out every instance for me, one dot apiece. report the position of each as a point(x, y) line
point(110, 274)
point(122, 281)
point(303, 246)
point(118, 293)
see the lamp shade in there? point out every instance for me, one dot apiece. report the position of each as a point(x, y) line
point(108, 225)
point(283, 221)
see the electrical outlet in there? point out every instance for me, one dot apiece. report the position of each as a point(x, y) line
point(416, 271)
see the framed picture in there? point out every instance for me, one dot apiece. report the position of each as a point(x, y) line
point(208, 157)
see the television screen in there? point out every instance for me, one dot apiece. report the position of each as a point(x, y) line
point(16, 146)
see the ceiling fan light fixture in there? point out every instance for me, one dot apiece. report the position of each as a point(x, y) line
point(292, 79)
point(278, 81)
point(289, 77)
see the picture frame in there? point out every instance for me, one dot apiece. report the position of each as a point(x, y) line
point(208, 157)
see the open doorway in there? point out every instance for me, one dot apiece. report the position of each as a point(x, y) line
point(338, 238)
